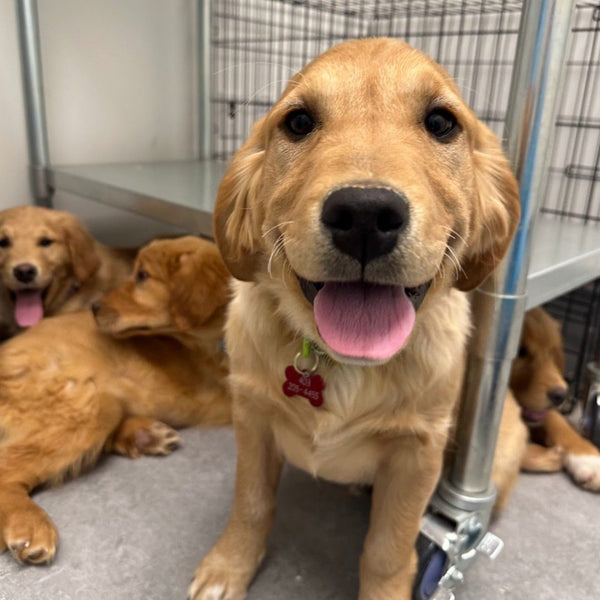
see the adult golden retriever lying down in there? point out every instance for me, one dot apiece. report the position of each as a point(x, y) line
point(69, 389)
point(50, 264)
point(539, 386)
point(355, 216)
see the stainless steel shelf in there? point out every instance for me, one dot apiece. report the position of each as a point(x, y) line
point(180, 193)
point(564, 255)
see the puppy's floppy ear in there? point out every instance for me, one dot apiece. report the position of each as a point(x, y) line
point(81, 246)
point(199, 286)
point(496, 212)
point(238, 212)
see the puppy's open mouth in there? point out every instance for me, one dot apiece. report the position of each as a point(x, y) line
point(28, 305)
point(363, 320)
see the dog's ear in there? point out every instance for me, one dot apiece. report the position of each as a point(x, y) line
point(496, 212)
point(81, 246)
point(199, 286)
point(236, 216)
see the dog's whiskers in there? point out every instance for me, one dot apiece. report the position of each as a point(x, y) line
point(277, 247)
point(266, 233)
point(454, 234)
point(449, 252)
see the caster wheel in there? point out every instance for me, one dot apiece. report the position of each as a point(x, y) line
point(431, 567)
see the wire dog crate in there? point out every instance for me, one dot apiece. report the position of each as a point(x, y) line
point(574, 172)
point(258, 44)
point(579, 313)
point(573, 191)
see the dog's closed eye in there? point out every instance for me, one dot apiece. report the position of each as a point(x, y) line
point(5, 242)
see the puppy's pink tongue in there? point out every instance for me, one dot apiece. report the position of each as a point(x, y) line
point(29, 308)
point(361, 320)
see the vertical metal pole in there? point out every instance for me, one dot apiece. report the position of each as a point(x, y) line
point(33, 91)
point(205, 123)
point(499, 304)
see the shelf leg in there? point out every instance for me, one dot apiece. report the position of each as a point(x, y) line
point(465, 493)
point(33, 91)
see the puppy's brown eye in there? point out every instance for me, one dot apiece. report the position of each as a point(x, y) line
point(45, 241)
point(141, 276)
point(441, 124)
point(299, 123)
point(522, 352)
point(4, 242)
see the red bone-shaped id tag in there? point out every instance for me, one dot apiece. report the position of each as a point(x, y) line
point(305, 383)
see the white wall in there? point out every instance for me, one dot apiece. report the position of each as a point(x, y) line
point(120, 85)
point(14, 186)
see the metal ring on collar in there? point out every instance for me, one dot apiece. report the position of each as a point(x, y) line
point(312, 369)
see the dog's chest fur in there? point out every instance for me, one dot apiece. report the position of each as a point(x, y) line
point(408, 400)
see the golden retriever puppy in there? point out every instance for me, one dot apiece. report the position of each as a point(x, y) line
point(355, 216)
point(50, 264)
point(69, 388)
point(538, 384)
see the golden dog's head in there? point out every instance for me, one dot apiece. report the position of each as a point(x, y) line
point(177, 286)
point(369, 187)
point(43, 254)
point(537, 374)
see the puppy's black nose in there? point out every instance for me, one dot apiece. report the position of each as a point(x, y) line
point(25, 272)
point(557, 395)
point(365, 222)
point(95, 308)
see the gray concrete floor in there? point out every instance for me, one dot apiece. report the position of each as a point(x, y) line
point(134, 530)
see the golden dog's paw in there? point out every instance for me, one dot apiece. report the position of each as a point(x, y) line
point(553, 459)
point(30, 536)
point(584, 469)
point(139, 436)
point(158, 440)
point(217, 583)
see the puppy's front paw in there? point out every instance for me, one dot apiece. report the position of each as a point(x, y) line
point(218, 580)
point(584, 469)
point(30, 535)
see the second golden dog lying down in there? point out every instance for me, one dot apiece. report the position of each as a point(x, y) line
point(539, 386)
point(68, 389)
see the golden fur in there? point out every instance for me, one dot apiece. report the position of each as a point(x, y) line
point(511, 447)
point(71, 268)
point(69, 388)
point(383, 423)
point(537, 376)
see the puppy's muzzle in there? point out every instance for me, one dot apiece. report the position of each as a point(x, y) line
point(365, 222)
